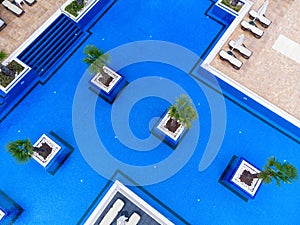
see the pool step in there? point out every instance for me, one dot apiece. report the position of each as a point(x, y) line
point(51, 45)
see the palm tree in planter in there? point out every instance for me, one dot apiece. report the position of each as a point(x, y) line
point(182, 112)
point(97, 59)
point(22, 150)
point(280, 172)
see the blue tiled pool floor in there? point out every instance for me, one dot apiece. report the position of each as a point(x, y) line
point(195, 196)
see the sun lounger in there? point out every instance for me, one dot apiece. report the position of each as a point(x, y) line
point(2, 24)
point(245, 52)
point(30, 2)
point(265, 22)
point(229, 56)
point(12, 7)
point(250, 26)
point(133, 219)
point(113, 212)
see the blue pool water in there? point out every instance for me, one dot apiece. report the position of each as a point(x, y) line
point(195, 196)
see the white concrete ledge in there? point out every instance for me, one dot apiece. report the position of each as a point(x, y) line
point(162, 127)
point(251, 189)
point(119, 187)
point(115, 78)
point(55, 148)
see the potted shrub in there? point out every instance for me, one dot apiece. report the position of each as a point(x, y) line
point(235, 5)
point(43, 151)
point(176, 121)
point(9, 72)
point(97, 59)
point(244, 179)
point(181, 113)
point(21, 150)
point(273, 170)
point(106, 81)
point(74, 7)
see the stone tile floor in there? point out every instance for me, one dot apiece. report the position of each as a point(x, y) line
point(267, 73)
point(20, 28)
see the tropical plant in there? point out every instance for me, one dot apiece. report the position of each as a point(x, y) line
point(73, 8)
point(183, 111)
point(8, 72)
point(21, 150)
point(280, 172)
point(15, 66)
point(233, 4)
point(2, 55)
point(79, 2)
point(95, 58)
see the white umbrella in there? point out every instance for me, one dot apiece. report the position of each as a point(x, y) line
point(263, 8)
point(238, 42)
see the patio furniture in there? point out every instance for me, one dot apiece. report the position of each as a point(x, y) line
point(18, 2)
point(112, 212)
point(230, 57)
point(265, 22)
point(250, 26)
point(122, 220)
point(245, 52)
point(133, 219)
point(30, 2)
point(2, 214)
point(2, 24)
point(12, 8)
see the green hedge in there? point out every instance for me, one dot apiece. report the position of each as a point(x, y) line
point(14, 66)
point(2, 55)
point(235, 8)
point(73, 8)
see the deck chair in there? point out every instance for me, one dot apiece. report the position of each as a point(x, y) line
point(2, 24)
point(133, 219)
point(265, 22)
point(245, 52)
point(230, 57)
point(30, 2)
point(12, 8)
point(250, 26)
point(112, 212)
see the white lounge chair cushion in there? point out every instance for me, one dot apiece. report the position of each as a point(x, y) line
point(261, 18)
point(133, 219)
point(113, 212)
point(1, 23)
point(243, 50)
point(12, 7)
point(30, 2)
point(230, 58)
point(2, 214)
point(252, 28)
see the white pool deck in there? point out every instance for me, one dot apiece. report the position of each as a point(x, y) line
point(270, 76)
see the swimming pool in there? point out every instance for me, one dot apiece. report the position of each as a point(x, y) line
point(195, 196)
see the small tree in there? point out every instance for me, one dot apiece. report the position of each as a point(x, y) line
point(183, 111)
point(21, 150)
point(95, 58)
point(2, 54)
point(280, 172)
